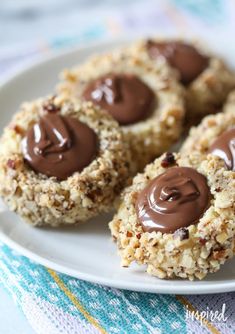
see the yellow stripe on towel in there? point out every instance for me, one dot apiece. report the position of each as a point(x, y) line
point(75, 301)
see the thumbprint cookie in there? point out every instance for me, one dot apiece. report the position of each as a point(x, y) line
point(62, 162)
point(144, 98)
point(177, 217)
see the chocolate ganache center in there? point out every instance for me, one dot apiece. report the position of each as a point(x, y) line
point(59, 146)
point(175, 199)
point(184, 57)
point(127, 98)
point(224, 147)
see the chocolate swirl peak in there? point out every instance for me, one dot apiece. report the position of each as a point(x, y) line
point(224, 147)
point(59, 146)
point(184, 57)
point(124, 96)
point(174, 199)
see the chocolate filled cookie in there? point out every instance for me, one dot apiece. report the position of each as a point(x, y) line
point(62, 162)
point(215, 135)
point(206, 78)
point(177, 217)
point(144, 98)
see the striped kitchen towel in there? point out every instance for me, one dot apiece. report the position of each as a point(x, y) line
point(54, 303)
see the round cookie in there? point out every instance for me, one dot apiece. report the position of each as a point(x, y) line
point(62, 162)
point(215, 135)
point(206, 78)
point(146, 100)
point(177, 217)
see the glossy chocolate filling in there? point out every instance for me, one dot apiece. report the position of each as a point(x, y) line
point(184, 57)
point(127, 98)
point(59, 146)
point(224, 147)
point(175, 199)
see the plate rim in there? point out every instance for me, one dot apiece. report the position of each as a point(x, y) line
point(220, 287)
point(115, 283)
point(51, 55)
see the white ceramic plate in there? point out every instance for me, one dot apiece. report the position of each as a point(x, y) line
point(85, 251)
